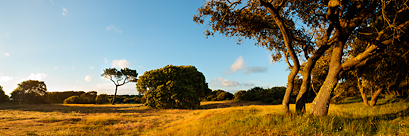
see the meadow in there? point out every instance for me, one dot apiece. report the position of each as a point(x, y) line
point(216, 118)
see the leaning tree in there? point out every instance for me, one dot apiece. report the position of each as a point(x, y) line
point(325, 26)
point(120, 77)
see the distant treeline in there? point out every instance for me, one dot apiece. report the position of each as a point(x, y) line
point(91, 97)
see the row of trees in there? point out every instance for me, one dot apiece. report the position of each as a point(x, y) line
point(352, 35)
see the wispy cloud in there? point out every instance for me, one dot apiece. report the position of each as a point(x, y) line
point(248, 84)
point(7, 54)
point(91, 67)
point(72, 68)
point(224, 82)
point(240, 64)
point(88, 78)
point(52, 2)
point(64, 11)
point(229, 83)
point(255, 70)
point(113, 28)
point(55, 67)
point(120, 63)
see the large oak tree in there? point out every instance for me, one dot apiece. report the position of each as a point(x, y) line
point(329, 25)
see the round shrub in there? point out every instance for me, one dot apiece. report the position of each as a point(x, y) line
point(240, 96)
point(173, 87)
point(73, 100)
point(101, 99)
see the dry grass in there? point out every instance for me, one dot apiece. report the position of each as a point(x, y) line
point(213, 118)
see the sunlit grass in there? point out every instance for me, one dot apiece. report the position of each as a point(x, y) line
point(213, 118)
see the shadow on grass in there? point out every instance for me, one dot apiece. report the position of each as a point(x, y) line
point(77, 108)
point(107, 108)
point(227, 104)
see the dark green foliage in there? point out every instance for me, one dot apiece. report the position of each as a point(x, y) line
point(101, 99)
point(173, 87)
point(84, 98)
point(273, 95)
point(73, 100)
point(3, 96)
point(240, 95)
point(30, 91)
point(59, 97)
point(219, 95)
point(89, 97)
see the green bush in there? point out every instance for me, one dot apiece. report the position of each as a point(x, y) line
point(3, 96)
point(173, 87)
point(273, 95)
point(101, 99)
point(240, 96)
point(73, 100)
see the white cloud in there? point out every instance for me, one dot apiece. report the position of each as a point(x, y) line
point(113, 28)
point(238, 65)
point(120, 63)
point(36, 76)
point(5, 78)
point(55, 67)
point(224, 82)
point(64, 11)
point(88, 78)
point(248, 84)
point(6, 54)
point(255, 70)
point(106, 61)
point(72, 67)
point(229, 83)
point(91, 67)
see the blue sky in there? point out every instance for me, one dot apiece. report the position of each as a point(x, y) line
point(67, 44)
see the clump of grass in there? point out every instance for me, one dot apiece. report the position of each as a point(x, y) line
point(101, 119)
point(50, 120)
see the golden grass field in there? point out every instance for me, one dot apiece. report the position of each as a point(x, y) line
point(213, 118)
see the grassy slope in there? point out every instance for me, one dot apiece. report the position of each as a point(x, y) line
point(215, 118)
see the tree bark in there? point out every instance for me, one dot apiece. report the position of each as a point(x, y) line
point(290, 86)
point(113, 100)
point(361, 89)
point(287, 37)
point(321, 102)
point(374, 98)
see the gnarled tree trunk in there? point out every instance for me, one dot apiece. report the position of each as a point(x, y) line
point(113, 100)
point(361, 90)
point(321, 102)
point(374, 98)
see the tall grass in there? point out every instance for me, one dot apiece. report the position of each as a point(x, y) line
point(390, 117)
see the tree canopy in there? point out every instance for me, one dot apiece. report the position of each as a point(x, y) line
point(30, 91)
point(3, 96)
point(120, 77)
point(173, 87)
point(327, 27)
